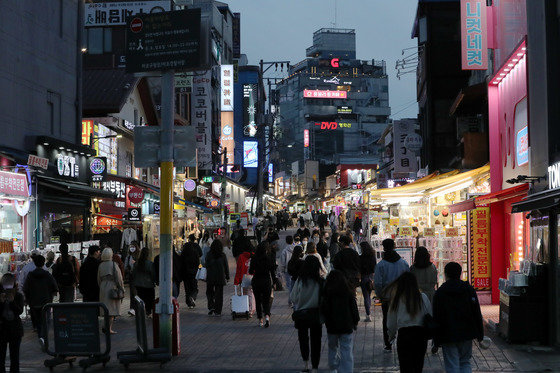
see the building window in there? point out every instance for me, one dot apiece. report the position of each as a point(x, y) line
point(54, 113)
point(99, 40)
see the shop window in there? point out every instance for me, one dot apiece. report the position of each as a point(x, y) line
point(54, 113)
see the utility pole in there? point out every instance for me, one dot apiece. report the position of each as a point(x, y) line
point(166, 208)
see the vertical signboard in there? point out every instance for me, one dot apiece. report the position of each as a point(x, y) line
point(480, 262)
point(405, 160)
point(236, 35)
point(250, 154)
point(226, 135)
point(201, 117)
point(249, 109)
point(87, 131)
point(226, 101)
point(306, 138)
point(474, 41)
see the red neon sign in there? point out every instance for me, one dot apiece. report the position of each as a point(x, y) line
point(332, 125)
point(306, 138)
point(335, 62)
point(310, 93)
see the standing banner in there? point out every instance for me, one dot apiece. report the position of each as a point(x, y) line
point(480, 262)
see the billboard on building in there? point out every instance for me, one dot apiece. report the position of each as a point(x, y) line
point(201, 117)
point(115, 14)
point(250, 154)
point(226, 135)
point(474, 41)
point(315, 93)
point(405, 159)
point(226, 101)
point(250, 109)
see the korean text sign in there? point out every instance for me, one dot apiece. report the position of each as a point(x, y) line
point(227, 87)
point(480, 248)
point(14, 184)
point(474, 40)
point(115, 14)
point(201, 117)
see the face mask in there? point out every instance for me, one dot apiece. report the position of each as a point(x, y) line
point(305, 242)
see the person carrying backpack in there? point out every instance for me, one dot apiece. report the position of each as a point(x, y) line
point(66, 272)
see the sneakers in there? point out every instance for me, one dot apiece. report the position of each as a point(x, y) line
point(211, 313)
point(131, 312)
point(367, 319)
point(267, 323)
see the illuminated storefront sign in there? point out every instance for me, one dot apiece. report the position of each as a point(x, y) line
point(554, 176)
point(201, 118)
point(249, 109)
point(97, 169)
point(189, 185)
point(270, 173)
point(67, 165)
point(305, 138)
point(522, 146)
point(474, 44)
point(335, 62)
point(106, 146)
point(250, 154)
point(226, 138)
point(315, 93)
point(87, 131)
point(14, 184)
point(344, 110)
point(227, 88)
point(332, 125)
point(480, 248)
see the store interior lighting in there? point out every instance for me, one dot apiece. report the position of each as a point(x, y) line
point(451, 188)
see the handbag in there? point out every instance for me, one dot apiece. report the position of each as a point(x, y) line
point(117, 292)
point(201, 274)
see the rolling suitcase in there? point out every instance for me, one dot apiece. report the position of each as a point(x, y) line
point(239, 304)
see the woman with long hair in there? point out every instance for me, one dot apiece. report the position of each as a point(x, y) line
point(143, 279)
point(217, 275)
point(311, 250)
point(367, 270)
point(305, 296)
point(334, 247)
point(263, 269)
point(109, 277)
point(407, 310)
point(425, 272)
point(295, 263)
point(341, 319)
point(205, 245)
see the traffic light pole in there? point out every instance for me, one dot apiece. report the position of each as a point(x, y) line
point(166, 209)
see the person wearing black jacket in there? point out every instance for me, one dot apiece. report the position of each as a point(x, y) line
point(323, 246)
point(263, 269)
point(348, 261)
point(217, 275)
point(176, 277)
point(295, 263)
point(11, 327)
point(190, 262)
point(39, 289)
point(241, 244)
point(89, 288)
point(367, 270)
point(457, 313)
point(341, 314)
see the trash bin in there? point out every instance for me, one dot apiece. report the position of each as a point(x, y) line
point(176, 341)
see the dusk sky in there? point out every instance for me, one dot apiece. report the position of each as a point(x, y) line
point(282, 30)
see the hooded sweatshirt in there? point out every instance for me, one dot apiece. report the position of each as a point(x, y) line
point(39, 288)
point(387, 271)
point(285, 258)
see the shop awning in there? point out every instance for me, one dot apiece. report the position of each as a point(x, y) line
point(433, 185)
point(516, 191)
point(462, 206)
point(538, 201)
point(73, 188)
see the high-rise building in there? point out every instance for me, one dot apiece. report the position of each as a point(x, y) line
point(332, 107)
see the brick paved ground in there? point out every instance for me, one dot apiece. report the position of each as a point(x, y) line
point(210, 344)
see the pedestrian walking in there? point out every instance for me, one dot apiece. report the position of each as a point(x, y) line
point(66, 272)
point(89, 288)
point(50, 261)
point(143, 280)
point(240, 243)
point(311, 250)
point(387, 271)
point(243, 278)
point(357, 228)
point(263, 269)
point(459, 319)
point(11, 330)
point(334, 247)
point(295, 263)
point(425, 272)
point(190, 261)
point(39, 289)
point(133, 252)
point(407, 311)
point(110, 281)
point(340, 310)
point(205, 243)
point(176, 278)
point(367, 271)
point(347, 260)
point(303, 232)
point(306, 297)
point(333, 221)
point(217, 275)
point(285, 257)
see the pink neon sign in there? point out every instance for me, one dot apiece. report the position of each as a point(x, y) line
point(474, 40)
point(305, 138)
point(310, 93)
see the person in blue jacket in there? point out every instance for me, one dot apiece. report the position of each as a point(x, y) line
point(387, 271)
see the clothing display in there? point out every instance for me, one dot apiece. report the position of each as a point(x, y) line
point(128, 235)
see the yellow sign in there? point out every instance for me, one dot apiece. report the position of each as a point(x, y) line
point(452, 232)
point(234, 217)
point(394, 221)
point(429, 232)
point(480, 248)
point(406, 231)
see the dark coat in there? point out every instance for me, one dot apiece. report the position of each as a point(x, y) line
point(88, 279)
point(457, 313)
point(294, 267)
point(40, 287)
point(190, 260)
point(348, 261)
point(367, 265)
point(263, 269)
point(340, 312)
point(177, 268)
point(240, 245)
point(217, 269)
point(11, 329)
point(323, 249)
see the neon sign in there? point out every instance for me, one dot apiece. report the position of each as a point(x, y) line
point(335, 62)
point(306, 138)
point(332, 125)
point(310, 93)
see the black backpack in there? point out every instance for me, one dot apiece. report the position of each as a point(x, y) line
point(66, 271)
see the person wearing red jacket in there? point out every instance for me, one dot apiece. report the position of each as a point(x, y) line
point(243, 261)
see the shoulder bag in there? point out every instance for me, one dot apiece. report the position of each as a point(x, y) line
point(201, 274)
point(117, 292)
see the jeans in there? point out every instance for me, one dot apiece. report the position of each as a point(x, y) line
point(215, 295)
point(191, 289)
point(262, 290)
point(304, 334)
point(366, 293)
point(411, 348)
point(341, 357)
point(457, 356)
point(289, 283)
point(385, 309)
point(14, 343)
